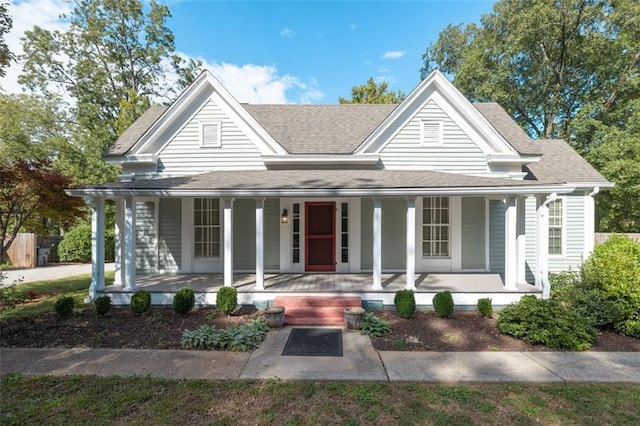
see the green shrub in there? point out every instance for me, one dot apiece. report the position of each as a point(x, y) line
point(10, 295)
point(443, 304)
point(227, 299)
point(374, 326)
point(64, 305)
point(140, 301)
point(184, 301)
point(102, 304)
point(236, 338)
point(546, 322)
point(405, 303)
point(76, 245)
point(485, 308)
point(563, 284)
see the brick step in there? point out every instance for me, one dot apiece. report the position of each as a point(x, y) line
point(316, 302)
point(330, 312)
point(315, 321)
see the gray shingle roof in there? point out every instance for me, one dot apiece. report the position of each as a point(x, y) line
point(320, 129)
point(507, 127)
point(560, 162)
point(135, 131)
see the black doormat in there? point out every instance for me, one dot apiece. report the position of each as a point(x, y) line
point(314, 342)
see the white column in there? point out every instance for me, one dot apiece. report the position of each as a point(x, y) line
point(589, 221)
point(510, 249)
point(119, 242)
point(521, 243)
point(97, 246)
point(260, 244)
point(228, 242)
point(542, 243)
point(130, 244)
point(411, 244)
point(377, 244)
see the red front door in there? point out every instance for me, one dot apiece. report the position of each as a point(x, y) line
point(320, 236)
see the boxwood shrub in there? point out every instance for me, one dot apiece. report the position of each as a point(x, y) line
point(102, 304)
point(546, 322)
point(184, 301)
point(227, 299)
point(485, 308)
point(405, 303)
point(64, 305)
point(140, 302)
point(443, 304)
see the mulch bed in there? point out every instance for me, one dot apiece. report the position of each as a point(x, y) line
point(161, 328)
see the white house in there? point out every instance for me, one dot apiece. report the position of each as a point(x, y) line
point(434, 193)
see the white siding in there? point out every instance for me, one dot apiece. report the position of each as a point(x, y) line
point(496, 236)
point(244, 235)
point(272, 234)
point(145, 237)
point(394, 233)
point(184, 155)
point(473, 230)
point(458, 153)
point(170, 234)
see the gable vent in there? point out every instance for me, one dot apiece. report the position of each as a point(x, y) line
point(431, 133)
point(210, 135)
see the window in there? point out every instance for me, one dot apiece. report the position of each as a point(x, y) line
point(435, 227)
point(344, 233)
point(210, 135)
point(431, 133)
point(206, 227)
point(555, 227)
point(296, 233)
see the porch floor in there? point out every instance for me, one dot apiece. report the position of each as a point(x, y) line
point(326, 283)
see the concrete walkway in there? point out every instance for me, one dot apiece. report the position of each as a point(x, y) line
point(50, 272)
point(360, 362)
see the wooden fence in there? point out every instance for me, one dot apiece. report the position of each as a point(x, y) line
point(23, 252)
point(601, 237)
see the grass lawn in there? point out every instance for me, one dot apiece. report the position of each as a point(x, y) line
point(48, 291)
point(97, 400)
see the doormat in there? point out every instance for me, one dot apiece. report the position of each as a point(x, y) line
point(314, 342)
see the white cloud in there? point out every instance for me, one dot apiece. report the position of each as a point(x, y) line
point(27, 14)
point(287, 33)
point(394, 54)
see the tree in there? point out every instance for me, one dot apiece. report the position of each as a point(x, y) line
point(567, 69)
point(116, 54)
point(372, 93)
point(31, 193)
point(5, 26)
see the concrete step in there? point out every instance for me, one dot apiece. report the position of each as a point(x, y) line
point(302, 310)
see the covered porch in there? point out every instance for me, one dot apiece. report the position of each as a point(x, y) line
point(466, 288)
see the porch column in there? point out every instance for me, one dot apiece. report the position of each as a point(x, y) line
point(589, 221)
point(411, 244)
point(510, 246)
point(119, 242)
point(97, 246)
point(260, 244)
point(521, 242)
point(377, 244)
point(130, 244)
point(228, 242)
point(542, 243)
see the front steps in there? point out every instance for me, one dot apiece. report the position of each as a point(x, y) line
point(305, 310)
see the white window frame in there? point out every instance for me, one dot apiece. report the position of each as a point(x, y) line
point(562, 227)
point(212, 242)
point(201, 128)
point(427, 205)
point(440, 130)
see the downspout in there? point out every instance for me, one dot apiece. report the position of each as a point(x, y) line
point(595, 192)
point(544, 273)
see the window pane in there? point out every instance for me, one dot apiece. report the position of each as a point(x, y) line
point(345, 256)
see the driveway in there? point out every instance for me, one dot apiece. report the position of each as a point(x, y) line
point(50, 272)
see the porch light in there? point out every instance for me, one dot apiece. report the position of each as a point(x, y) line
point(285, 216)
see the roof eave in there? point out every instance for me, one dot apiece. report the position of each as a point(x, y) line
point(320, 159)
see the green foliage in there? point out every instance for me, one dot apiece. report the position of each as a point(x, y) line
point(64, 305)
point(10, 296)
point(236, 338)
point(443, 304)
point(6, 56)
point(546, 322)
point(485, 308)
point(76, 245)
point(374, 326)
point(140, 302)
point(373, 93)
point(184, 300)
point(102, 304)
point(227, 299)
point(405, 303)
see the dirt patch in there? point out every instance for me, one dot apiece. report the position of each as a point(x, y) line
point(468, 331)
point(161, 328)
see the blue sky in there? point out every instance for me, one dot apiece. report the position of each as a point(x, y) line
point(293, 51)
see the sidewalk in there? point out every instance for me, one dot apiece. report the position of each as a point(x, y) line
point(50, 272)
point(360, 362)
